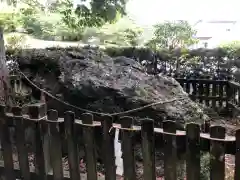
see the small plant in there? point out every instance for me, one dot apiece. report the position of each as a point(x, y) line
point(16, 41)
point(205, 166)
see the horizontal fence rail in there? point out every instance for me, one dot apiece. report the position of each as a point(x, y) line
point(49, 131)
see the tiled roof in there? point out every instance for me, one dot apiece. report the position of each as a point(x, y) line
point(222, 22)
point(203, 38)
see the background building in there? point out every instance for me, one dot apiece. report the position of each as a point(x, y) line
point(213, 33)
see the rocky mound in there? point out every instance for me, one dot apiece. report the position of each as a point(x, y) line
point(90, 79)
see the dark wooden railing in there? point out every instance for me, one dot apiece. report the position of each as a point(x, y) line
point(234, 96)
point(48, 142)
point(212, 93)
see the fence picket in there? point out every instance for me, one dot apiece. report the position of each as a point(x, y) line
point(128, 149)
point(207, 92)
point(73, 158)
point(194, 92)
point(193, 152)
point(214, 93)
point(221, 89)
point(36, 114)
point(201, 92)
point(21, 143)
point(170, 152)
point(108, 148)
point(148, 149)
point(188, 87)
point(217, 153)
point(6, 144)
point(56, 147)
point(46, 145)
point(237, 156)
point(89, 143)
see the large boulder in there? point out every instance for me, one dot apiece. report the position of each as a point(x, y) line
point(89, 79)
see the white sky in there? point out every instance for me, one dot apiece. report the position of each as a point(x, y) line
point(149, 12)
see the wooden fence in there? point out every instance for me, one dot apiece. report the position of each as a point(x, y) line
point(221, 94)
point(234, 97)
point(48, 143)
point(211, 93)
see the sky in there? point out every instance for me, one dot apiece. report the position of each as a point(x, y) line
point(149, 12)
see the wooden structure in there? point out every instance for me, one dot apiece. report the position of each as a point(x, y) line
point(216, 94)
point(212, 93)
point(212, 140)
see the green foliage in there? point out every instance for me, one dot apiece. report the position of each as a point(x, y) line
point(122, 33)
point(205, 166)
point(8, 21)
point(132, 36)
point(94, 14)
point(15, 41)
point(61, 20)
point(197, 63)
point(171, 35)
point(231, 48)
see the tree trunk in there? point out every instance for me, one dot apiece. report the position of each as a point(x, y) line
point(3, 72)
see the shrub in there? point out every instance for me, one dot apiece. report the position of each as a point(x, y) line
point(205, 166)
point(8, 21)
point(16, 41)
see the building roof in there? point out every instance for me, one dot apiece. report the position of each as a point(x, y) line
point(203, 38)
point(222, 22)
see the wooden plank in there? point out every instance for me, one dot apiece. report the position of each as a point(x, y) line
point(89, 144)
point(237, 156)
point(214, 94)
point(108, 148)
point(194, 93)
point(46, 145)
point(193, 152)
point(73, 159)
point(225, 94)
point(229, 90)
point(56, 147)
point(6, 144)
point(148, 149)
point(207, 92)
point(36, 114)
point(21, 143)
point(170, 151)
point(201, 91)
point(128, 149)
point(188, 87)
point(217, 153)
point(221, 89)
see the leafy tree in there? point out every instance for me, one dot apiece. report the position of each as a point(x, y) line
point(172, 35)
point(232, 48)
point(94, 14)
point(132, 36)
